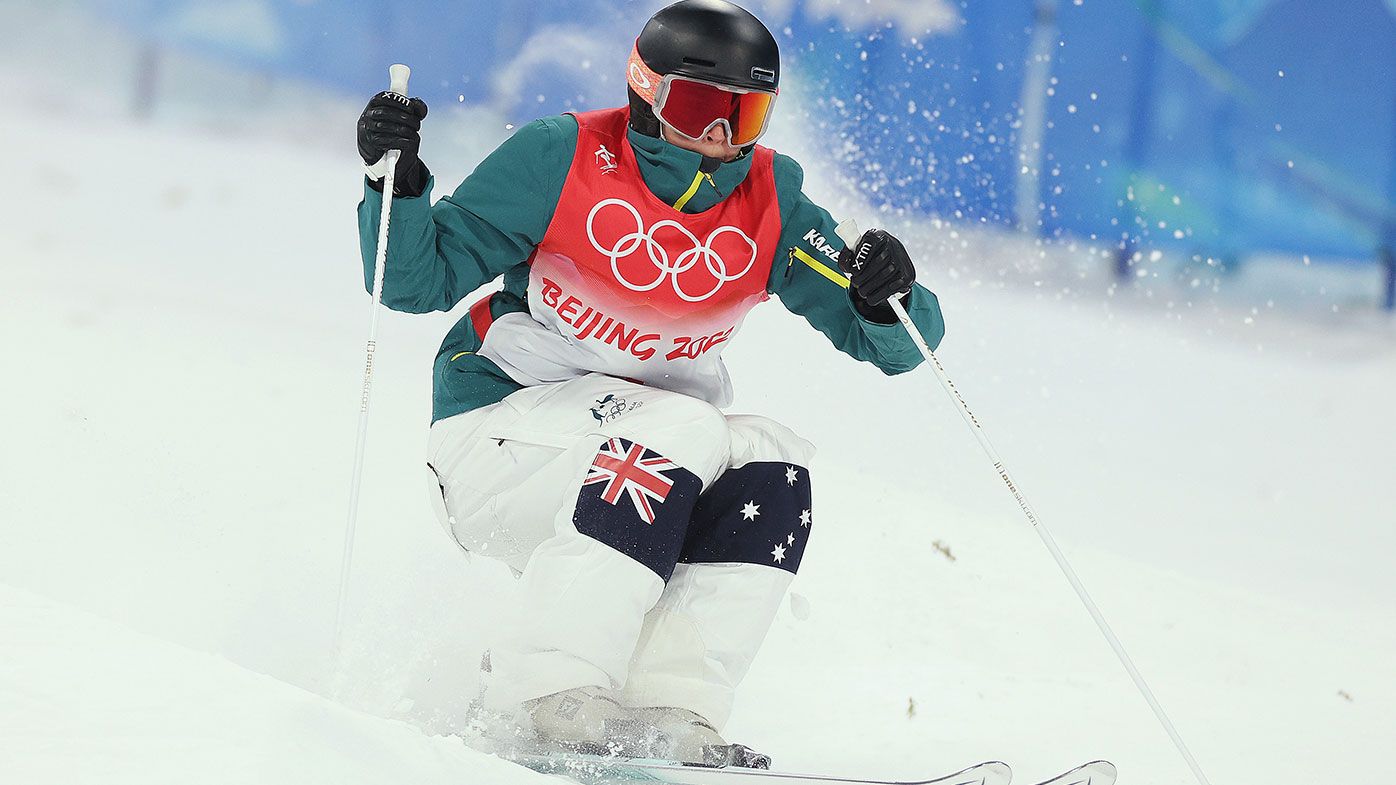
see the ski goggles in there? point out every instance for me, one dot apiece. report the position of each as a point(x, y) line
point(693, 107)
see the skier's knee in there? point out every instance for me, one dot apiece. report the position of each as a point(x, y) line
point(688, 431)
point(759, 513)
point(767, 488)
point(756, 438)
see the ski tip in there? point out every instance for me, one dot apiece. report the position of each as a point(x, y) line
point(994, 772)
point(1101, 768)
point(1097, 772)
point(998, 769)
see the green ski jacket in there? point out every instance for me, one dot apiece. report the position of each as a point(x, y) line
point(439, 253)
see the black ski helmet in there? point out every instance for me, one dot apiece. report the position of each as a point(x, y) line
point(712, 40)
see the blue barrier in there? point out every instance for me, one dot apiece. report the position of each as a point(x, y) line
point(1217, 127)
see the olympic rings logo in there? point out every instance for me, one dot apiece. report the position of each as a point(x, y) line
point(666, 267)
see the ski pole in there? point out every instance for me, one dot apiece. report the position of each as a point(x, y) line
point(848, 232)
point(398, 75)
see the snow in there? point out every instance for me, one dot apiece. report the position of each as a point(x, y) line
point(185, 321)
point(99, 703)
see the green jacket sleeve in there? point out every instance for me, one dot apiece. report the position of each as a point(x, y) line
point(438, 254)
point(808, 282)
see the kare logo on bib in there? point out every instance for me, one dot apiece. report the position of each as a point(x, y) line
point(644, 259)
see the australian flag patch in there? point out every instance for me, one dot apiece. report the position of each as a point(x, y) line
point(638, 502)
point(756, 514)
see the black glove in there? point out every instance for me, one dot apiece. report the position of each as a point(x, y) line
point(878, 268)
point(393, 122)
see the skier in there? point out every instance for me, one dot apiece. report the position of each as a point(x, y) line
point(578, 433)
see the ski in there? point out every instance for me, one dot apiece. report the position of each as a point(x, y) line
point(596, 770)
point(1100, 772)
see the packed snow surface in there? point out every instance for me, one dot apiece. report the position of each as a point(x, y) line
point(92, 701)
point(184, 319)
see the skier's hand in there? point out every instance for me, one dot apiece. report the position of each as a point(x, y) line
point(393, 122)
point(879, 268)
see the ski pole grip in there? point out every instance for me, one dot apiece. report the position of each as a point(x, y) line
point(848, 232)
point(397, 78)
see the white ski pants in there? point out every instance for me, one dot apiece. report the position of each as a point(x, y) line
point(653, 535)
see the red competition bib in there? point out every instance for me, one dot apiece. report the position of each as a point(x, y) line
point(638, 289)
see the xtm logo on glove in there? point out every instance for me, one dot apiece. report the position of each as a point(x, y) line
point(674, 257)
point(625, 468)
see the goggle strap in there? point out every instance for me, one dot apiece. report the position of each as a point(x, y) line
point(641, 78)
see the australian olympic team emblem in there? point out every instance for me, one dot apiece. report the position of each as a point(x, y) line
point(673, 269)
point(610, 408)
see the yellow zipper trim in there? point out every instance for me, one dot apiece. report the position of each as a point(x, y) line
point(692, 190)
point(819, 267)
point(462, 354)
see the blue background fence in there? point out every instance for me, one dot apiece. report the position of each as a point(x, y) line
point(1219, 128)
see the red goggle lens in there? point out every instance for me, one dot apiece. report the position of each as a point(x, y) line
point(692, 108)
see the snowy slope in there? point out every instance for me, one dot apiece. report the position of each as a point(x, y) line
point(184, 322)
point(88, 701)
